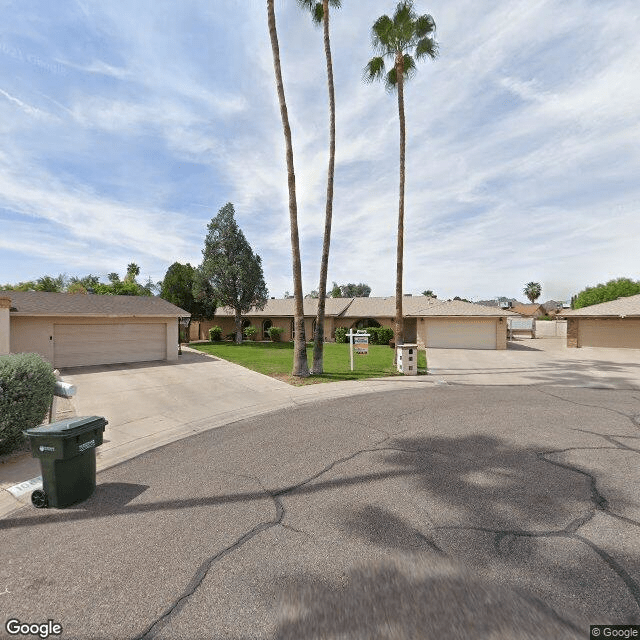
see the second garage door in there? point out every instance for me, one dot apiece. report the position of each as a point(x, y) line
point(462, 334)
point(78, 345)
point(614, 332)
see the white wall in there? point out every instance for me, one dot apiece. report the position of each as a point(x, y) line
point(551, 328)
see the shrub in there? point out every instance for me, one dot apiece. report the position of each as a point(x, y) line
point(250, 332)
point(380, 335)
point(341, 334)
point(275, 333)
point(215, 334)
point(26, 390)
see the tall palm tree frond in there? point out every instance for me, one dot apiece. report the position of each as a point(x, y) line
point(425, 25)
point(374, 69)
point(381, 34)
point(426, 48)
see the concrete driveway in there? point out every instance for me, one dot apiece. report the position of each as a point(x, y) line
point(450, 511)
point(540, 361)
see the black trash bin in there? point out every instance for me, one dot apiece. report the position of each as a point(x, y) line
point(67, 453)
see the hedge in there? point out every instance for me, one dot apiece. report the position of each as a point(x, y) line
point(26, 390)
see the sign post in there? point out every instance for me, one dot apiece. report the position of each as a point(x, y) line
point(361, 341)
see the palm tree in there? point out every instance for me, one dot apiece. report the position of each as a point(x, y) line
point(320, 14)
point(396, 38)
point(300, 364)
point(532, 291)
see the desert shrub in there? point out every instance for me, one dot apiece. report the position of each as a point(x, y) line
point(341, 334)
point(250, 332)
point(380, 335)
point(275, 333)
point(26, 390)
point(215, 334)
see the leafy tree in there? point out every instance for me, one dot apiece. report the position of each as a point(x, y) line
point(300, 363)
point(532, 290)
point(86, 283)
point(113, 277)
point(430, 294)
point(320, 14)
point(231, 268)
point(612, 290)
point(29, 285)
point(121, 288)
point(351, 290)
point(397, 38)
point(76, 287)
point(336, 292)
point(204, 297)
point(52, 285)
point(459, 298)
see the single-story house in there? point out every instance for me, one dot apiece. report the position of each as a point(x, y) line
point(608, 324)
point(72, 330)
point(429, 322)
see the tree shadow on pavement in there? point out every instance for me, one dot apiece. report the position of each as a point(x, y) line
point(505, 552)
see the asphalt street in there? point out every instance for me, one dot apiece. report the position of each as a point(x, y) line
point(443, 511)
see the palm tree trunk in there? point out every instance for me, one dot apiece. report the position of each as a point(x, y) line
point(399, 321)
point(300, 364)
point(318, 338)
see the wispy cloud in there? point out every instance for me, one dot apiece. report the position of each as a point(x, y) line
point(522, 150)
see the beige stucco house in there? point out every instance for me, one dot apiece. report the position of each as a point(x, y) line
point(429, 322)
point(609, 324)
point(72, 330)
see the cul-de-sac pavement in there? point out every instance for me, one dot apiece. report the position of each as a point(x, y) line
point(496, 498)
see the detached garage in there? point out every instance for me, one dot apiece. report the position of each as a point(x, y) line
point(76, 330)
point(614, 324)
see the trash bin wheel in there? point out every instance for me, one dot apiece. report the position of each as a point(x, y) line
point(39, 499)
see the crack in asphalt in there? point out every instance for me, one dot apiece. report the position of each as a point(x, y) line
point(599, 503)
point(206, 565)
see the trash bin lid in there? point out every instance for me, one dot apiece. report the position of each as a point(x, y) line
point(69, 428)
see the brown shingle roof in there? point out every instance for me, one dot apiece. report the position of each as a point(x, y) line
point(628, 306)
point(412, 306)
point(285, 307)
point(527, 309)
point(41, 303)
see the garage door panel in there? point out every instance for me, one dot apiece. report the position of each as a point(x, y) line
point(457, 334)
point(78, 345)
point(613, 333)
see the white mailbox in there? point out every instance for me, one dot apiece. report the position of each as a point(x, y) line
point(407, 357)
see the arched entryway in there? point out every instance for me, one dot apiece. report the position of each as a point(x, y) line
point(266, 325)
point(365, 323)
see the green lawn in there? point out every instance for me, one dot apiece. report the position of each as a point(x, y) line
point(276, 359)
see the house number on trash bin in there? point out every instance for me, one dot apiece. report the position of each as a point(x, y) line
point(43, 448)
point(87, 445)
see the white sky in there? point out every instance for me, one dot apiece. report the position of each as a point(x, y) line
point(126, 126)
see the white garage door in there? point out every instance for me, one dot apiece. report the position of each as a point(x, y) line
point(609, 333)
point(77, 345)
point(462, 334)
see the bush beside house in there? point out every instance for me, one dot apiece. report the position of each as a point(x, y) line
point(27, 383)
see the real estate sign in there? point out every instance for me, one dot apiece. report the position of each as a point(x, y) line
point(360, 341)
point(361, 344)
